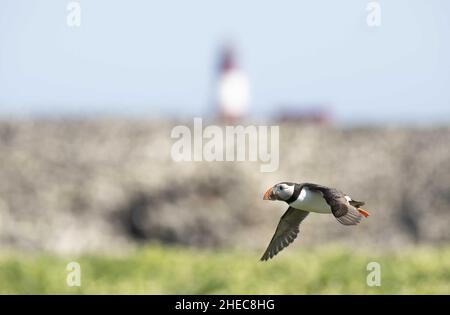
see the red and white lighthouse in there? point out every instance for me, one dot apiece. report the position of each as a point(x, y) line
point(233, 90)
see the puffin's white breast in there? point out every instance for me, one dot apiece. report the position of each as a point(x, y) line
point(312, 201)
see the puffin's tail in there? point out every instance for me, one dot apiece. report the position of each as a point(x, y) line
point(357, 204)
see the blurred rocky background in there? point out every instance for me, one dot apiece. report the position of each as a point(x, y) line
point(98, 184)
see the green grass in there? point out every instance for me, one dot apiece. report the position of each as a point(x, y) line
point(172, 270)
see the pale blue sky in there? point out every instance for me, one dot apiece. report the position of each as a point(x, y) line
point(158, 57)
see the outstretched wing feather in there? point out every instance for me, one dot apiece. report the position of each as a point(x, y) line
point(286, 232)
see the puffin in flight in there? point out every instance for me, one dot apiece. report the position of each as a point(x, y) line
point(303, 199)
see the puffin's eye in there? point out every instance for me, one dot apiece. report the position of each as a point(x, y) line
point(281, 188)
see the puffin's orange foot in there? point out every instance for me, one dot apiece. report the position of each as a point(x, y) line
point(363, 212)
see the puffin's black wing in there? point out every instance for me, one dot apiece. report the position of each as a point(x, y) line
point(286, 232)
point(342, 209)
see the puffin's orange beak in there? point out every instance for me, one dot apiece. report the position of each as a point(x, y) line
point(268, 195)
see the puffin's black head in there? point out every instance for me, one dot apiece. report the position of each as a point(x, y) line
point(282, 191)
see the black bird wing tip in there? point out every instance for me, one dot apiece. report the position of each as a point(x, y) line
point(286, 232)
point(266, 257)
point(352, 217)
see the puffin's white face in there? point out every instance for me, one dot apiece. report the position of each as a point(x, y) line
point(281, 191)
